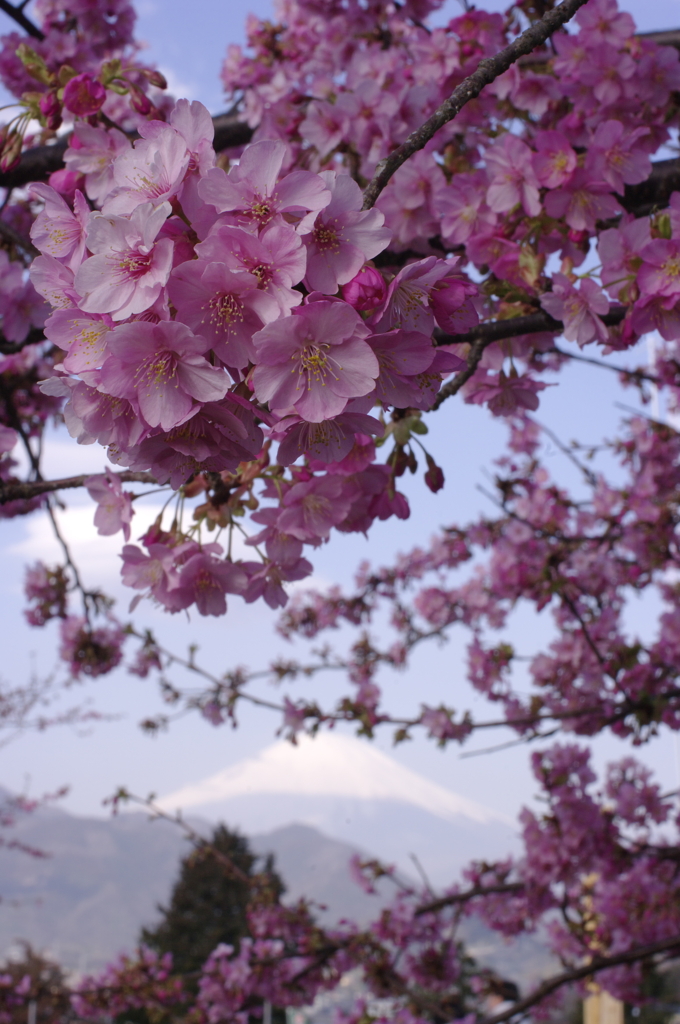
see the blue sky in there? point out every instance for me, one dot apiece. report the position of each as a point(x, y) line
point(188, 41)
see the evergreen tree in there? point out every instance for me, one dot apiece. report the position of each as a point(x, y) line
point(209, 901)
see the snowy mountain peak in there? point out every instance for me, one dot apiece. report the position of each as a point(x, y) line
point(328, 765)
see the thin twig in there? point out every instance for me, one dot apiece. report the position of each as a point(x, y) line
point(488, 70)
point(597, 964)
point(32, 488)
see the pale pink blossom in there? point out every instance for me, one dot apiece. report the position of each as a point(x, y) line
point(130, 265)
point(81, 335)
point(92, 152)
point(253, 194)
point(57, 231)
point(343, 237)
point(152, 172)
point(579, 308)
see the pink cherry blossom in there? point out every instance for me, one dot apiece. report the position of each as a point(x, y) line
point(129, 266)
point(114, 505)
point(513, 180)
point(579, 308)
point(161, 369)
point(253, 194)
point(151, 172)
point(276, 259)
point(343, 237)
point(223, 307)
point(57, 231)
point(314, 361)
point(554, 160)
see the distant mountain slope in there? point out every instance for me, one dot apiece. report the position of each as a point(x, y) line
point(104, 879)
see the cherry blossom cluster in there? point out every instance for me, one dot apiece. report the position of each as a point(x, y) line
point(200, 310)
point(84, 61)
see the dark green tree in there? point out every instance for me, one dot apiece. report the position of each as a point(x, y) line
point(209, 900)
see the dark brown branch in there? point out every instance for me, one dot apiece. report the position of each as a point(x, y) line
point(487, 71)
point(9, 234)
point(38, 163)
point(496, 330)
point(24, 490)
point(655, 192)
point(463, 897)
point(597, 964)
point(16, 14)
point(10, 348)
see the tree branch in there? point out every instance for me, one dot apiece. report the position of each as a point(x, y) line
point(496, 330)
point(18, 15)
point(24, 490)
point(38, 163)
point(489, 69)
point(597, 964)
point(9, 348)
point(463, 897)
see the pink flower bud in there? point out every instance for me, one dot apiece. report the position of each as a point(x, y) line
point(10, 153)
point(84, 95)
point(50, 108)
point(365, 291)
point(66, 182)
point(139, 100)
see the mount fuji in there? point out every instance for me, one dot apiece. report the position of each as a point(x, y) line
point(350, 790)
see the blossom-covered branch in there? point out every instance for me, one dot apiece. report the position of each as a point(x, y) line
point(489, 69)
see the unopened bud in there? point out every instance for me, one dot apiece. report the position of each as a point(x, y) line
point(10, 154)
point(84, 95)
point(50, 108)
point(155, 78)
point(34, 64)
point(139, 100)
point(365, 291)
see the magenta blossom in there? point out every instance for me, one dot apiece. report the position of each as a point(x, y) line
point(343, 237)
point(312, 508)
point(582, 201)
point(114, 505)
point(513, 180)
point(162, 370)
point(660, 270)
point(223, 307)
point(367, 289)
point(580, 309)
point(401, 356)
point(408, 298)
point(555, 160)
point(505, 394)
point(129, 268)
point(266, 580)
point(84, 95)
point(314, 361)
point(329, 441)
